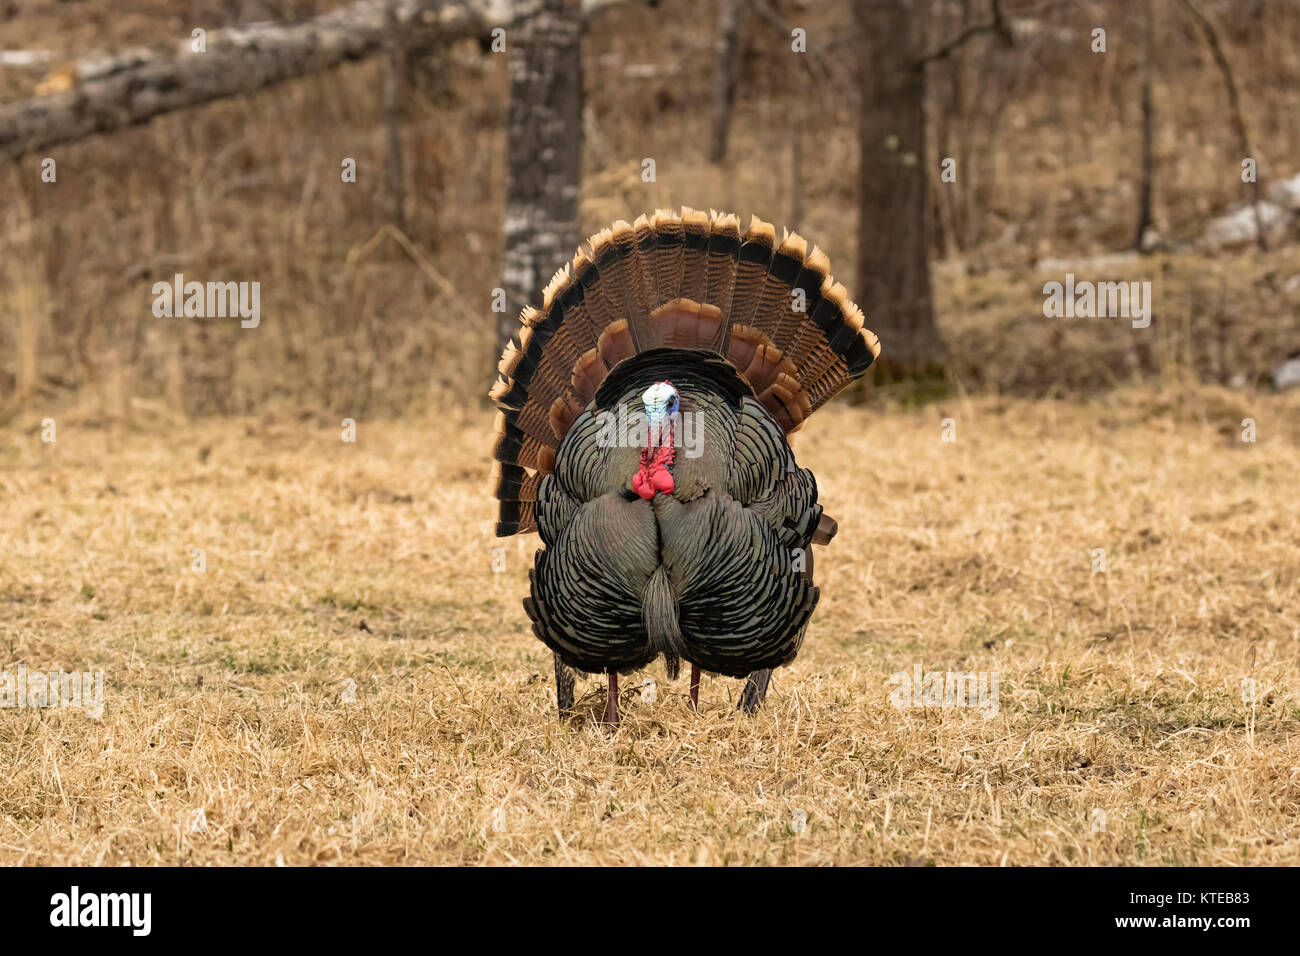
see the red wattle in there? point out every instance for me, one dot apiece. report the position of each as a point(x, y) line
point(641, 486)
point(654, 476)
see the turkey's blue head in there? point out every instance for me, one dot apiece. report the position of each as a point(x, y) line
point(660, 401)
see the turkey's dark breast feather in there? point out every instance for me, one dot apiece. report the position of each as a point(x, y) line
point(729, 537)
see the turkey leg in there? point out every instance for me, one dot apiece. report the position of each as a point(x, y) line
point(751, 698)
point(563, 687)
point(611, 704)
point(695, 687)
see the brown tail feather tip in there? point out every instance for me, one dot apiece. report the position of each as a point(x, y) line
point(825, 530)
point(588, 372)
point(681, 324)
point(563, 411)
point(616, 343)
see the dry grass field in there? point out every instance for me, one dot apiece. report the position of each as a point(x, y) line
point(1124, 733)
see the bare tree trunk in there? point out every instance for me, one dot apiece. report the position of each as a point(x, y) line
point(1147, 186)
point(726, 73)
point(796, 169)
point(393, 116)
point(544, 152)
point(894, 215)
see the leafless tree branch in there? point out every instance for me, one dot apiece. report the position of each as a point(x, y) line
point(91, 98)
point(998, 25)
point(1234, 105)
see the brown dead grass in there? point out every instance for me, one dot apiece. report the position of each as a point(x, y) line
point(1120, 692)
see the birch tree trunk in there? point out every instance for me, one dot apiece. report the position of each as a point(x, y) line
point(543, 152)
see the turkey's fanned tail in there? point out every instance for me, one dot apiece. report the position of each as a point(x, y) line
point(687, 281)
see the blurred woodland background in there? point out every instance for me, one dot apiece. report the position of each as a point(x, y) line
point(312, 641)
point(378, 294)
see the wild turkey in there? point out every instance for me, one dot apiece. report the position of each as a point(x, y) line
point(673, 322)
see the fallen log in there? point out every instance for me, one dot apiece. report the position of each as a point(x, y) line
point(99, 95)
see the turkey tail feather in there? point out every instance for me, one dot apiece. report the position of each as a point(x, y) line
point(688, 280)
point(659, 614)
